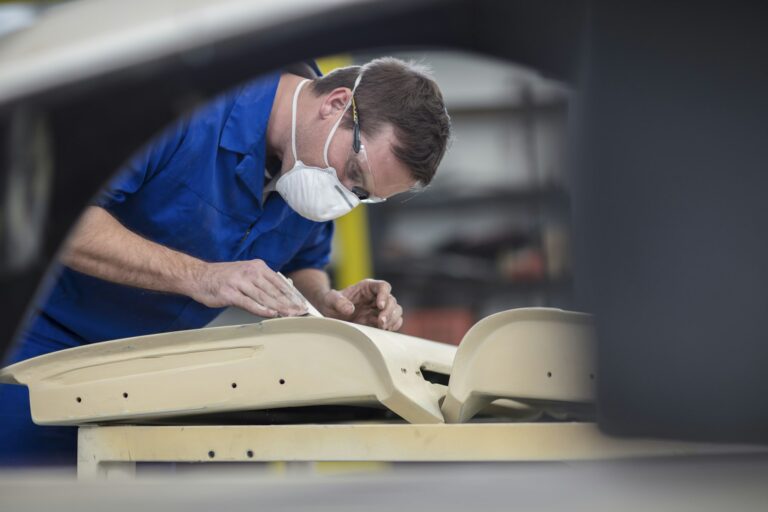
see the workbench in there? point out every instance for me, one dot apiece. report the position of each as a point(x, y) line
point(113, 451)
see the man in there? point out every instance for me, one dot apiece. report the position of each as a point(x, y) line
point(206, 216)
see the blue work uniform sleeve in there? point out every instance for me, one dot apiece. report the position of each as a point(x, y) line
point(316, 252)
point(142, 167)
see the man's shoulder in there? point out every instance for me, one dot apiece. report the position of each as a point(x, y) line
point(265, 82)
point(253, 93)
point(242, 114)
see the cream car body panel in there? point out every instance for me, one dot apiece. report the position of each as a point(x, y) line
point(512, 365)
point(530, 355)
point(276, 363)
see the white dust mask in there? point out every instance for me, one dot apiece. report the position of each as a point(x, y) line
point(313, 192)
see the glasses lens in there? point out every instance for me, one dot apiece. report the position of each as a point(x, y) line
point(361, 194)
point(368, 177)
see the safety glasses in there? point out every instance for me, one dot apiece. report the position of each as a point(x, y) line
point(359, 156)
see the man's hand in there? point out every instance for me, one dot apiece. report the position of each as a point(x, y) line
point(249, 285)
point(104, 248)
point(369, 302)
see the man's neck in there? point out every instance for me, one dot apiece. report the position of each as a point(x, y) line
point(279, 125)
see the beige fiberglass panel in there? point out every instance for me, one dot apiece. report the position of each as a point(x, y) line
point(531, 355)
point(277, 363)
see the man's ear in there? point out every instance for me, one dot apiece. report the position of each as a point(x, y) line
point(335, 101)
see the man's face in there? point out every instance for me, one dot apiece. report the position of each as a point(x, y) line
point(372, 172)
point(375, 171)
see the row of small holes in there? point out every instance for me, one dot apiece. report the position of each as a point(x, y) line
point(79, 399)
point(212, 454)
point(282, 381)
point(234, 384)
point(591, 375)
point(125, 395)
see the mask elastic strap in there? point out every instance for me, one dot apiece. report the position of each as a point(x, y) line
point(338, 121)
point(293, 118)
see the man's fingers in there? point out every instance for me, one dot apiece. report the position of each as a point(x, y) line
point(286, 294)
point(274, 284)
point(383, 292)
point(269, 301)
point(261, 298)
point(340, 303)
point(284, 287)
point(371, 319)
point(397, 316)
point(389, 321)
point(248, 304)
point(388, 315)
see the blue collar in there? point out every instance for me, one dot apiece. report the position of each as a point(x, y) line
point(245, 131)
point(246, 127)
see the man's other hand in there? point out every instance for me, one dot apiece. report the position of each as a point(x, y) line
point(249, 285)
point(369, 302)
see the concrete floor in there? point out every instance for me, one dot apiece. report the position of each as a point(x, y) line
point(700, 484)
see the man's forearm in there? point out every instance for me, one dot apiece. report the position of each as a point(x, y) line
point(102, 247)
point(312, 283)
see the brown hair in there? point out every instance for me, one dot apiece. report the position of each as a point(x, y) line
point(404, 95)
